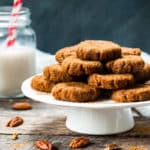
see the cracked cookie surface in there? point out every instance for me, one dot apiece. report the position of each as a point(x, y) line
point(111, 81)
point(40, 83)
point(56, 73)
point(65, 52)
point(98, 50)
point(126, 64)
point(130, 51)
point(75, 92)
point(138, 93)
point(76, 66)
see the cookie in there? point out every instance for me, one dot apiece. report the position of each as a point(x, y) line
point(126, 64)
point(130, 51)
point(65, 52)
point(76, 66)
point(98, 50)
point(111, 81)
point(143, 74)
point(40, 83)
point(56, 73)
point(139, 93)
point(75, 92)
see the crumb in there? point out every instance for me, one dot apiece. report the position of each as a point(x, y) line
point(112, 147)
point(14, 136)
point(137, 148)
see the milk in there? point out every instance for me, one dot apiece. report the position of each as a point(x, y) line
point(16, 64)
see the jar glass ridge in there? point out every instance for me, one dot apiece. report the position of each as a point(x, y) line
point(25, 35)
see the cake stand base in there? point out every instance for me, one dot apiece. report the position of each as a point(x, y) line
point(99, 121)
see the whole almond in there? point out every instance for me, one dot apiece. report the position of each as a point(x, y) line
point(13, 122)
point(43, 145)
point(21, 106)
point(79, 142)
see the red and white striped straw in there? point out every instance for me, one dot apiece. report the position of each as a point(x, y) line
point(17, 5)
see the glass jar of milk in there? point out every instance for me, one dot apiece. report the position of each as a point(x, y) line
point(17, 62)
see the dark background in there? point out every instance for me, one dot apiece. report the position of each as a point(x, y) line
point(59, 23)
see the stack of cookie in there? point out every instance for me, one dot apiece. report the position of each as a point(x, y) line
point(91, 68)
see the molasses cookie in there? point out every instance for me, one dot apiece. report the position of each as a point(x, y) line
point(143, 74)
point(56, 73)
point(40, 83)
point(111, 81)
point(126, 64)
point(75, 92)
point(65, 52)
point(130, 51)
point(98, 50)
point(138, 93)
point(77, 67)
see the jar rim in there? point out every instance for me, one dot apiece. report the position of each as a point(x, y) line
point(23, 18)
point(6, 10)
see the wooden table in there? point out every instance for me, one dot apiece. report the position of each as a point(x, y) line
point(48, 123)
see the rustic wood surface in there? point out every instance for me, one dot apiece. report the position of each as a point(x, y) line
point(48, 123)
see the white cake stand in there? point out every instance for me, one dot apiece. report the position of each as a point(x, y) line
point(95, 118)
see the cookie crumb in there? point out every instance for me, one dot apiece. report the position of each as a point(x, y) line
point(137, 148)
point(14, 136)
point(112, 147)
point(19, 145)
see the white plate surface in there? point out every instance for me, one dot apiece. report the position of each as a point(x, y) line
point(99, 104)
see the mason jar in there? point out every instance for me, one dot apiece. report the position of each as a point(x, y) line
point(17, 62)
point(25, 35)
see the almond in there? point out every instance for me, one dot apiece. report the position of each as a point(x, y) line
point(13, 122)
point(21, 106)
point(43, 145)
point(79, 142)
